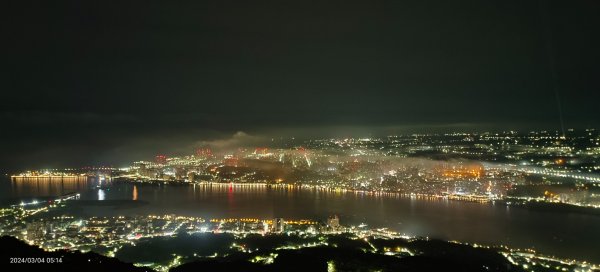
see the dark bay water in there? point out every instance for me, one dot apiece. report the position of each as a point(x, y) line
point(554, 233)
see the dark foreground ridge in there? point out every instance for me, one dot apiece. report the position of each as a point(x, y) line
point(435, 256)
point(12, 249)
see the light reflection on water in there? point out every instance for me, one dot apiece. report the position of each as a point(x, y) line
point(101, 194)
point(561, 234)
point(44, 186)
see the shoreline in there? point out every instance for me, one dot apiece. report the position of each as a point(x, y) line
point(478, 199)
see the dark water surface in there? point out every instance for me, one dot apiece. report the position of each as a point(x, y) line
point(555, 233)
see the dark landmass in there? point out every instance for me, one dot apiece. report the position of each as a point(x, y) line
point(342, 252)
point(346, 253)
point(555, 207)
point(10, 247)
point(161, 249)
point(436, 256)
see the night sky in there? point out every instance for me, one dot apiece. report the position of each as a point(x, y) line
point(105, 82)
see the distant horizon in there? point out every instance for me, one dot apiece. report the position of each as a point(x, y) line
point(183, 145)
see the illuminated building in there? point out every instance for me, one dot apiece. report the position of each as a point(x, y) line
point(333, 222)
point(278, 225)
